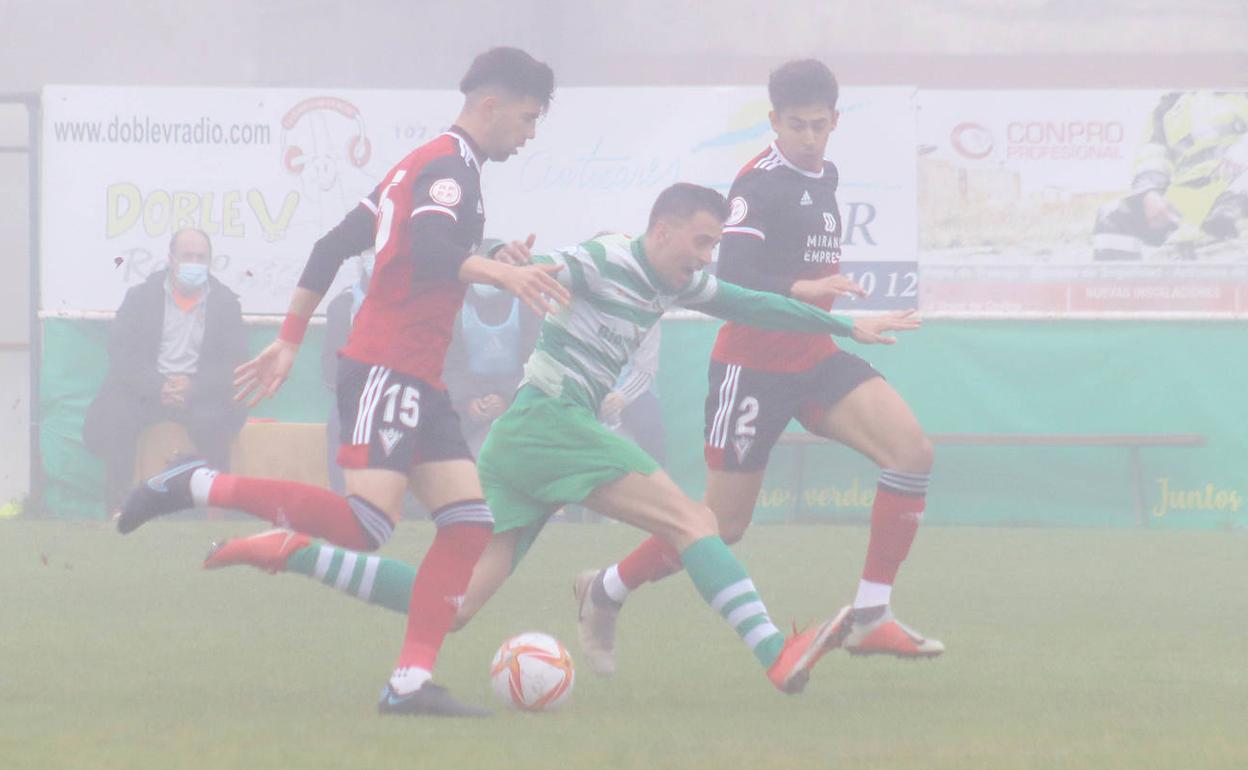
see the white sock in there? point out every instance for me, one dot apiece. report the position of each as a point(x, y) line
point(201, 484)
point(872, 594)
point(612, 584)
point(408, 680)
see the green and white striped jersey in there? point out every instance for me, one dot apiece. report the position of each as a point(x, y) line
point(617, 297)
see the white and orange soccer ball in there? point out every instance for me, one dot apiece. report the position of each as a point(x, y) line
point(532, 672)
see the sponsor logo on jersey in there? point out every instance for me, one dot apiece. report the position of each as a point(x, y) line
point(737, 210)
point(445, 191)
point(806, 199)
point(829, 221)
point(390, 438)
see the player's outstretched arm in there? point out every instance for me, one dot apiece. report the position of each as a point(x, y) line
point(818, 290)
point(261, 377)
point(764, 309)
point(871, 331)
point(536, 285)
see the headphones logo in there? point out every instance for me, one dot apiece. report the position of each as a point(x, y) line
point(359, 148)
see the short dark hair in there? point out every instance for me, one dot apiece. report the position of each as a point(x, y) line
point(682, 200)
point(513, 70)
point(173, 239)
point(802, 82)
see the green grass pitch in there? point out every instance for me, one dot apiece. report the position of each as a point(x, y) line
point(1066, 649)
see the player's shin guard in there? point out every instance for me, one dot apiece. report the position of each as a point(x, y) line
point(895, 516)
point(725, 585)
point(382, 582)
point(349, 522)
point(464, 529)
point(649, 562)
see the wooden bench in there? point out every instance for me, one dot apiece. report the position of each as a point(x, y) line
point(293, 451)
point(1131, 442)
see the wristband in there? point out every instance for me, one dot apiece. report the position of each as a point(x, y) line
point(293, 329)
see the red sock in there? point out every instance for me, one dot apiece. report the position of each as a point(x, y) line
point(301, 507)
point(652, 560)
point(438, 591)
point(894, 521)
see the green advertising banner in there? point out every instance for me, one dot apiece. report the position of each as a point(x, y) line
point(1079, 378)
point(74, 362)
point(1026, 378)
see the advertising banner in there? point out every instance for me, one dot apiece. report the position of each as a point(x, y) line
point(265, 172)
point(1083, 202)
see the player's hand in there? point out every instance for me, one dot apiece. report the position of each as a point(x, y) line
point(612, 405)
point(517, 252)
point(260, 377)
point(871, 331)
point(174, 390)
point(476, 410)
point(492, 407)
point(816, 290)
point(537, 287)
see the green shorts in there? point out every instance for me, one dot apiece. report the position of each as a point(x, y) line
point(546, 452)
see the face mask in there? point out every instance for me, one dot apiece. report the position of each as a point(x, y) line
point(192, 275)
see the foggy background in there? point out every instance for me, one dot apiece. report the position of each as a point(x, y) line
point(398, 45)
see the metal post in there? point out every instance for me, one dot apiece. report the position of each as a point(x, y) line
point(36, 499)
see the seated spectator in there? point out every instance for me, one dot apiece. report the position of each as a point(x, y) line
point(172, 351)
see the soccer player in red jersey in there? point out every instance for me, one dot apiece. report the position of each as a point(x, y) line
point(783, 235)
point(424, 221)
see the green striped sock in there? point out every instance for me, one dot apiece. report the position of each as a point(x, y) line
point(725, 585)
point(383, 582)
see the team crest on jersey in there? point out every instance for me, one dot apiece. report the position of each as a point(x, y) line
point(737, 210)
point(390, 438)
point(806, 199)
point(829, 222)
point(445, 191)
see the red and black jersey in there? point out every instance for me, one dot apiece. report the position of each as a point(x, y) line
point(429, 218)
point(784, 225)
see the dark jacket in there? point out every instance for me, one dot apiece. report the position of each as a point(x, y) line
point(133, 382)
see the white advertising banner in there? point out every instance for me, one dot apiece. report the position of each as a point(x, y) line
point(267, 171)
point(1083, 202)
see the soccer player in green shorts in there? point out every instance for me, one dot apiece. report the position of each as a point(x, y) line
point(549, 449)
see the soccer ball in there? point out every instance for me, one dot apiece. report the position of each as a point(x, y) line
point(532, 672)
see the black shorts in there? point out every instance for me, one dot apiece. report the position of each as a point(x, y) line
point(392, 420)
point(747, 409)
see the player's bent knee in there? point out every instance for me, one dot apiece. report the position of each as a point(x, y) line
point(375, 526)
point(921, 454)
point(694, 521)
point(732, 532)
point(911, 452)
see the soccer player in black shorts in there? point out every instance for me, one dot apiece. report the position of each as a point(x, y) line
point(783, 235)
point(425, 222)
